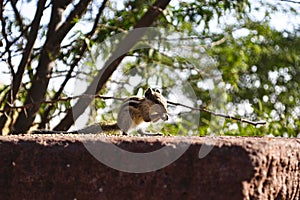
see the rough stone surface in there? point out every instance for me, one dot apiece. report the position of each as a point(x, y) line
point(60, 167)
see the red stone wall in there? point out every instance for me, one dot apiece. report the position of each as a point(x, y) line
point(60, 167)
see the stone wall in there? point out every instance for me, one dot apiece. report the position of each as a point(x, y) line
point(61, 167)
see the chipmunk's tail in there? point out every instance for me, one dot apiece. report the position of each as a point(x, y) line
point(97, 128)
point(92, 129)
point(42, 132)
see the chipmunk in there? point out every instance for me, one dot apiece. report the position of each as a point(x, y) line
point(133, 112)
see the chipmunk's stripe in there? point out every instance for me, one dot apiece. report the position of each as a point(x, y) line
point(132, 101)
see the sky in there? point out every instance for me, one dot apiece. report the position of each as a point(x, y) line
point(281, 21)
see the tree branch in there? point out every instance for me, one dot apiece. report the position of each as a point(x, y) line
point(254, 123)
point(18, 17)
point(52, 102)
point(290, 1)
point(69, 23)
point(8, 43)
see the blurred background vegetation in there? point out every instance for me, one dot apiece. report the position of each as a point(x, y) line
point(238, 57)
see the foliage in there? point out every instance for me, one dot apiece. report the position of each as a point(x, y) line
point(244, 67)
point(262, 68)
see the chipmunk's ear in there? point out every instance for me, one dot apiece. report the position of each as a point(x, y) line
point(156, 90)
point(149, 93)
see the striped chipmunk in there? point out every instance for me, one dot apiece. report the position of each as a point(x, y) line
point(133, 112)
